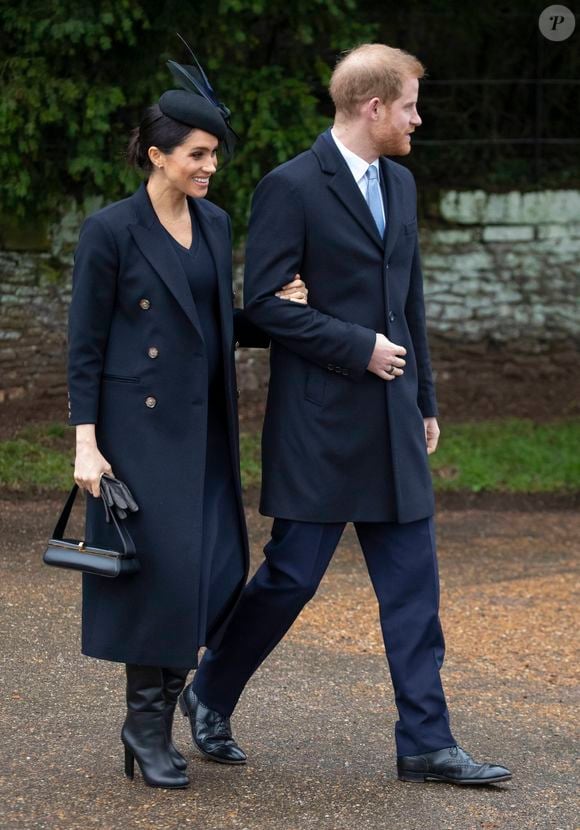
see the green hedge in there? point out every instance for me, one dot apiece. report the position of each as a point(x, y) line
point(76, 75)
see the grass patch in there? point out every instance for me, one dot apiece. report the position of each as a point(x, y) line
point(504, 456)
point(40, 458)
point(29, 461)
point(510, 456)
point(250, 460)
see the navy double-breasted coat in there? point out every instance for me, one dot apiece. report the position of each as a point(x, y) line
point(138, 370)
point(339, 443)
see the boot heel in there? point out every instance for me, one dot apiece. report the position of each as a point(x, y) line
point(129, 763)
point(183, 706)
point(415, 777)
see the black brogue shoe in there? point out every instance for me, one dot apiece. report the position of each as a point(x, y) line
point(451, 765)
point(211, 732)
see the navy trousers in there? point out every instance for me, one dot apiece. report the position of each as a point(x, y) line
point(402, 563)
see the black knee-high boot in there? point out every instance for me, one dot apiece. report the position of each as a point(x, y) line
point(144, 732)
point(173, 684)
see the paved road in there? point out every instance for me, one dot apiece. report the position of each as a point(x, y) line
point(317, 721)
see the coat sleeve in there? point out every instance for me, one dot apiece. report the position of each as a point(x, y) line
point(274, 254)
point(415, 315)
point(90, 314)
point(247, 334)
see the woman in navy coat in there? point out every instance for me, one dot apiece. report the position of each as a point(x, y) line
point(153, 396)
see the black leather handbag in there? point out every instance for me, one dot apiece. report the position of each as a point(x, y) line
point(77, 556)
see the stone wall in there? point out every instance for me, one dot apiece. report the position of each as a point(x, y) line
point(35, 292)
point(502, 282)
point(502, 289)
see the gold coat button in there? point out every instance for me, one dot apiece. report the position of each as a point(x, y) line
point(151, 402)
point(153, 351)
point(145, 303)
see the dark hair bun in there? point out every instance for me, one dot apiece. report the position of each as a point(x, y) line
point(155, 130)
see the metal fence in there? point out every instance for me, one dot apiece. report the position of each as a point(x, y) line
point(515, 129)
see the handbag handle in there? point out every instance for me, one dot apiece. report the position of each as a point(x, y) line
point(125, 536)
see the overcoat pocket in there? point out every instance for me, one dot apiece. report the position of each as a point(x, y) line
point(120, 378)
point(315, 384)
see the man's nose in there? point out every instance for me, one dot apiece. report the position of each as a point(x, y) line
point(416, 119)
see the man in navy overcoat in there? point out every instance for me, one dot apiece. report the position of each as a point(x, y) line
point(351, 412)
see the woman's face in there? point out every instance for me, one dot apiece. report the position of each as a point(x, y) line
point(190, 166)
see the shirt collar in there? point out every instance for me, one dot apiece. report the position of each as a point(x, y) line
point(358, 166)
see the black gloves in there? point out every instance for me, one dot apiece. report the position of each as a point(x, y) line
point(116, 497)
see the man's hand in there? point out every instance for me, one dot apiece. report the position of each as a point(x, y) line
point(432, 434)
point(386, 360)
point(294, 291)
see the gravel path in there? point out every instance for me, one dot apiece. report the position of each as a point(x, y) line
point(317, 720)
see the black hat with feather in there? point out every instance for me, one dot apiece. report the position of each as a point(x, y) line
point(197, 105)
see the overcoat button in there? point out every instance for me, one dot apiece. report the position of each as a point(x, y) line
point(151, 402)
point(392, 316)
point(387, 266)
point(153, 351)
point(145, 304)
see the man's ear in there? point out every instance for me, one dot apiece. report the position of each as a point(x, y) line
point(372, 108)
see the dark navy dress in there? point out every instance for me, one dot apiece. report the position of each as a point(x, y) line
point(223, 567)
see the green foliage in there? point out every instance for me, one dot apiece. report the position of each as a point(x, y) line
point(76, 76)
point(60, 131)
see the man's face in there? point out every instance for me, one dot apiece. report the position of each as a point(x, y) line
point(392, 131)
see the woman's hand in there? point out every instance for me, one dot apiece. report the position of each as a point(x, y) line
point(294, 291)
point(89, 463)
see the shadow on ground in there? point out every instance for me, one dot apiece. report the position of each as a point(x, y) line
point(317, 720)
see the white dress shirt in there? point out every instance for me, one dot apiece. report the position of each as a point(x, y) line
point(358, 167)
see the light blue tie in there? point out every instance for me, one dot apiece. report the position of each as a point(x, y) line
point(374, 199)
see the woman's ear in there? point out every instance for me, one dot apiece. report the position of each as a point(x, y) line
point(155, 157)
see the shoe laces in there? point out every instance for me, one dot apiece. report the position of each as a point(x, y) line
point(223, 728)
point(454, 751)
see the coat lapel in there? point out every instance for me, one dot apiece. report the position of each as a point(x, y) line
point(221, 250)
point(344, 186)
point(160, 253)
point(393, 206)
